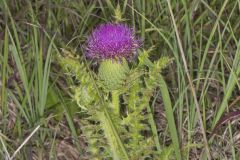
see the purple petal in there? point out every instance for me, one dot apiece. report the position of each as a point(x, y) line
point(112, 41)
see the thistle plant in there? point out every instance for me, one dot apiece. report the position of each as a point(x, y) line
point(118, 95)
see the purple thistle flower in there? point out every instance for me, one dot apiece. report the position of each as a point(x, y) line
point(112, 41)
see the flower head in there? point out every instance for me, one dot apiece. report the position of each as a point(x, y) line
point(112, 41)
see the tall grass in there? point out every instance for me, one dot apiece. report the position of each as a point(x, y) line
point(38, 116)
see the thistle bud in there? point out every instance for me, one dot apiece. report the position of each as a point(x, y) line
point(113, 73)
point(112, 44)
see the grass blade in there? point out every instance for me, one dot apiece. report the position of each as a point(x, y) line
point(170, 117)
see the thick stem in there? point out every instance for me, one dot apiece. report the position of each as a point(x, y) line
point(118, 150)
point(115, 102)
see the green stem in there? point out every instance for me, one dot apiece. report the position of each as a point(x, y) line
point(115, 102)
point(118, 150)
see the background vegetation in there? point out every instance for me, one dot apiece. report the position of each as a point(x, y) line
point(40, 117)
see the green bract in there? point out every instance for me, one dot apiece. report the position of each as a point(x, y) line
point(113, 73)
